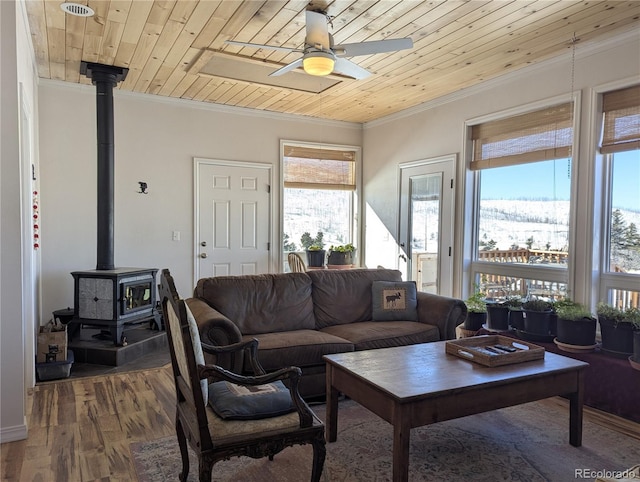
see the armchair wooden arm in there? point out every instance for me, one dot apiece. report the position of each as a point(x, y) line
point(251, 345)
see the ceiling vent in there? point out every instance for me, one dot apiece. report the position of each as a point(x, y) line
point(77, 9)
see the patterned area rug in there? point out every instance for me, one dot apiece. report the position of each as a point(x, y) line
point(527, 443)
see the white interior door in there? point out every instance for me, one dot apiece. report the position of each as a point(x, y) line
point(233, 218)
point(427, 194)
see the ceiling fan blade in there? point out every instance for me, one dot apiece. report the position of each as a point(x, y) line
point(283, 70)
point(373, 47)
point(317, 30)
point(260, 46)
point(348, 68)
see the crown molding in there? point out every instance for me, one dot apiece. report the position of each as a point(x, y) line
point(207, 106)
point(585, 50)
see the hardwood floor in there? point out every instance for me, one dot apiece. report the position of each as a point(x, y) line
point(80, 429)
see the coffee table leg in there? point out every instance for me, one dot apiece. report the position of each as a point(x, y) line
point(576, 401)
point(401, 438)
point(332, 408)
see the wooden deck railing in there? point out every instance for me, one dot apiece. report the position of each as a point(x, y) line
point(499, 286)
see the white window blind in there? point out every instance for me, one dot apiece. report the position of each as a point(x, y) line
point(535, 136)
point(316, 168)
point(621, 126)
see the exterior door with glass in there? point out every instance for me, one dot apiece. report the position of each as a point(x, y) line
point(427, 194)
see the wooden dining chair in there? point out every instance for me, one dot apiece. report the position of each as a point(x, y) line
point(295, 263)
point(221, 414)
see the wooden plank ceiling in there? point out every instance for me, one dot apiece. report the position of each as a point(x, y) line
point(456, 45)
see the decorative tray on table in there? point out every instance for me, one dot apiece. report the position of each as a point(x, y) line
point(494, 350)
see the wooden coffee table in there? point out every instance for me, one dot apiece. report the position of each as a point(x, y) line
point(417, 385)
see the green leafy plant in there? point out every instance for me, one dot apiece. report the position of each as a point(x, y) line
point(476, 303)
point(573, 311)
point(343, 248)
point(611, 313)
point(536, 304)
point(632, 315)
point(314, 247)
point(617, 315)
point(513, 302)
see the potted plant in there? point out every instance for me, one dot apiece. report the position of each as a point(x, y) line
point(576, 325)
point(341, 255)
point(476, 312)
point(617, 328)
point(537, 317)
point(516, 315)
point(314, 249)
point(315, 256)
point(497, 316)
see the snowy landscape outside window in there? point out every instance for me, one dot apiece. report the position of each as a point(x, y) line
point(320, 186)
point(620, 145)
point(524, 169)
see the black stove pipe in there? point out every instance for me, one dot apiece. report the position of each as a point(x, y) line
point(105, 78)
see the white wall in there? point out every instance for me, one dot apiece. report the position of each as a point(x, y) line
point(18, 299)
point(156, 140)
point(437, 129)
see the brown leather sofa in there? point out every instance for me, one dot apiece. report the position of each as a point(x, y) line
point(299, 317)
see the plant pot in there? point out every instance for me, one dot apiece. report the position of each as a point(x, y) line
point(537, 322)
point(636, 346)
point(553, 323)
point(516, 318)
point(577, 332)
point(617, 340)
point(474, 321)
point(497, 317)
point(340, 258)
point(315, 258)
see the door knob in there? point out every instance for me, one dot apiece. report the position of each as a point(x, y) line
point(203, 255)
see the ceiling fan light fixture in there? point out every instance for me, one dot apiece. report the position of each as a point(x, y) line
point(318, 63)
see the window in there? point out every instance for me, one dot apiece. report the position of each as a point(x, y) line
point(319, 195)
point(522, 168)
point(621, 148)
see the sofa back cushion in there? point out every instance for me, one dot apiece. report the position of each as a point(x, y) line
point(344, 296)
point(262, 303)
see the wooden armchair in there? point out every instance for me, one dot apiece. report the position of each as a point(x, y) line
point(216, 435)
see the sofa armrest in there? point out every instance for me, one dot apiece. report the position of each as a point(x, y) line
point(444, 312)
point(218, 330)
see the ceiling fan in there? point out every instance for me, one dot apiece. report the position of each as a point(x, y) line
point(321, 57)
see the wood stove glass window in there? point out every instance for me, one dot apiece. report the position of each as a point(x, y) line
point(136, 296)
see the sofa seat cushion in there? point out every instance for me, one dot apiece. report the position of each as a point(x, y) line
point(299, 348)
point(368, 335)
point(261, 303)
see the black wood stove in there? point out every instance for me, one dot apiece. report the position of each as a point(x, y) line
point(110, 297)
point(115, 297)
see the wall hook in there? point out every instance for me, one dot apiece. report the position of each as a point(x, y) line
point(143, 187)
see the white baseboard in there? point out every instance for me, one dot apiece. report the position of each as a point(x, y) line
point(12, 434)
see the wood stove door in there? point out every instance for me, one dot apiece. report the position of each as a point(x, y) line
point(233, 219)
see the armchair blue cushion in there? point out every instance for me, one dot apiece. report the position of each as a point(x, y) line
point(242, 402)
